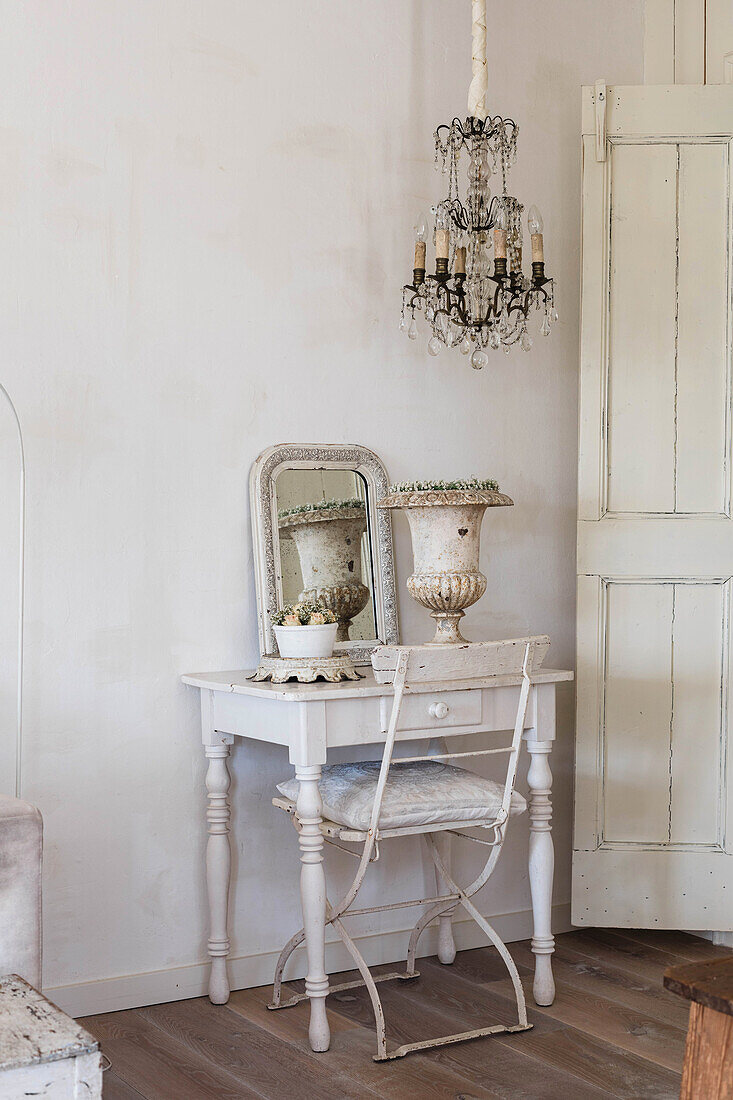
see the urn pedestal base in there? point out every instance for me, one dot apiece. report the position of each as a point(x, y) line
point(447, 629)
point(445, 595)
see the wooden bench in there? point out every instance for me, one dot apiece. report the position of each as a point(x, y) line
point(707, 1073)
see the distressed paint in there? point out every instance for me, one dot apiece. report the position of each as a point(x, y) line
point(445, 526)
point(654, 788)
point(43, 1052)
point(434, 666)
point(305, 670)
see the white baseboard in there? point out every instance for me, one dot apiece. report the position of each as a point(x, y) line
point(245, 971)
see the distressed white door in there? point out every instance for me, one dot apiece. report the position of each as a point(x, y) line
point(688, 42)
point(654, 775)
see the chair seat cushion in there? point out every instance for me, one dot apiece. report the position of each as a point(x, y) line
point(426, 792)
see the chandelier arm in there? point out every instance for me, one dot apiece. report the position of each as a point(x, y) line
point(480, 81)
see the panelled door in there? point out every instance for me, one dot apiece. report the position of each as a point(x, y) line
point(653, 840)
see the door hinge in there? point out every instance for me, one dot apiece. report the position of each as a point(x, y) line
point(600, 97)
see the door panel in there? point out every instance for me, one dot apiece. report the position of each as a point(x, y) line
point(662, 712)
point(719, 41)
point(655, 537)
point(637, 711)
point(668, 318)
point(701, 320)
point(699, 632)
point(640, 387)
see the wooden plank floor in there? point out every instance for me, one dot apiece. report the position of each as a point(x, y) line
point(613, 1031)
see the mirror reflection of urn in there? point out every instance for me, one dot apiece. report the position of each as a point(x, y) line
point(328, 541)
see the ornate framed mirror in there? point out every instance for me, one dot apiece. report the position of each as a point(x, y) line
point(318, 535)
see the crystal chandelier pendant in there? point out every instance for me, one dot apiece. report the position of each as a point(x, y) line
point(478, 295)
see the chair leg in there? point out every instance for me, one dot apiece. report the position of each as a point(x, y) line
point(277, 1002)
point(370, 985)
point(504, 952)
point(427, 917)
point(437, 853)
point(483, 923)
point(277, 984)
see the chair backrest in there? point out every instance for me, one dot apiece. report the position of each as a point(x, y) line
point(473, 661)
point(402, 665)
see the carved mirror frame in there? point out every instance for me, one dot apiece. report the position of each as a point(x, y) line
point(266, 535)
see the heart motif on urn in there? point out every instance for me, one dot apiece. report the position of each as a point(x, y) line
point(445, 525)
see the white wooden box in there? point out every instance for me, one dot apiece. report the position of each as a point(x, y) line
point(43, 1052)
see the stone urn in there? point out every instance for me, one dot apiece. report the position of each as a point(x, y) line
point(328, 541)
point(445, 525)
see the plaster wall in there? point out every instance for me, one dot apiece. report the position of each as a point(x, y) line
point(206, 216)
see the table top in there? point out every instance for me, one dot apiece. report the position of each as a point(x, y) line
point(239, 684)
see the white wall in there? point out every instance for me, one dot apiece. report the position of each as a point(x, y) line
point(205, 220)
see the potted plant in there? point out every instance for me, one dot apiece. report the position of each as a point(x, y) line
point(328, 536)
point(445, 525)
point(305, 630)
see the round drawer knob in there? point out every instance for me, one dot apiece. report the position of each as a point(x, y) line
point(438, 710)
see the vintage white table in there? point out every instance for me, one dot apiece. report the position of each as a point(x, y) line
point(312, 718)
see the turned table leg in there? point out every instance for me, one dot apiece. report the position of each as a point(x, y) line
point(446, 943)
point(541, 868)
point(218, 867)
point(313, 898)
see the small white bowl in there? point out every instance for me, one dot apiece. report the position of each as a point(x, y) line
point(306, 641)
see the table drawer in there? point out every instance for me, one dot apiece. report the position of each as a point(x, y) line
point(439, 710)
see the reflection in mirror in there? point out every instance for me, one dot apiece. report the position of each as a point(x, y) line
point(325, 554)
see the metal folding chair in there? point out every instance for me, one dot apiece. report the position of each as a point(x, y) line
point(404, 667)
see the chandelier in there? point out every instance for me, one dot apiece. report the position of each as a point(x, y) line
point(470, 302)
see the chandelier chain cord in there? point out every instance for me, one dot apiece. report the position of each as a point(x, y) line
point(480, 79)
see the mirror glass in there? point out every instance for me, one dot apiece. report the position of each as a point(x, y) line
point(325, 553)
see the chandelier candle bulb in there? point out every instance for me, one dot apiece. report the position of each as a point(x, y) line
point(536, 226)
point(500, 244)
point(442, 244)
